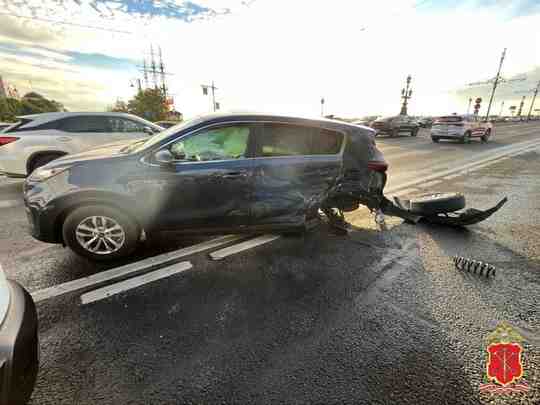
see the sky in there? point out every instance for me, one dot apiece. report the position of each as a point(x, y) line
point(278, 56)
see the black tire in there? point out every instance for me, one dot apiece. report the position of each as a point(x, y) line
point(437, 203)
point(42, 160)
point(466, 138)
point(76, 217)
point(486, 136)
point(434, 139)
point(414, 132)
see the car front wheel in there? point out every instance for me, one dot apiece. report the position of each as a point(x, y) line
point(414, 132)
point(100, 233)
point(434, 139)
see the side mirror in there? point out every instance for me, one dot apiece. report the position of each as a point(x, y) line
point(164, 156)
point(148, 130)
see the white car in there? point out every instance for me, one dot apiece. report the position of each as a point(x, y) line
point(461, 128)
point(4, 125)
point(37, 139)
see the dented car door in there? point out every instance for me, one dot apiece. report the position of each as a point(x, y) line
point(295, 166)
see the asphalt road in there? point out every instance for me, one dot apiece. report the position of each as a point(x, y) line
point(373, 317)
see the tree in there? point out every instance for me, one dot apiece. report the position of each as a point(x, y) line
point(149, 104)
point(9, 109)
point(119, 106)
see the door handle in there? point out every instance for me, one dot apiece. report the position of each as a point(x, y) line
point(234, 175)
point(64, 138)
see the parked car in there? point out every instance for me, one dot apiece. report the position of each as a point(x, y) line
point(167, 124)
point(214, 174)
point(19, 358)
point(425, 122)
point(461, 128)
point(38, 139)
point(4, 125)
point(366, 121)
point(393, 126)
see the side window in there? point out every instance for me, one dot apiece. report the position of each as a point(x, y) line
point(326, 142)
point(85, 123)
point(224, 143)
point(124, 125)
point(285, 140)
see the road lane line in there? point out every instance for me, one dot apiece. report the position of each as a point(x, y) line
point(240, 247)
point(491, 158)
point(132, 269)
point(134, 282)
point(10, 203)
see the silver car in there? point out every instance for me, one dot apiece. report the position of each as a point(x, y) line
point(40, 138)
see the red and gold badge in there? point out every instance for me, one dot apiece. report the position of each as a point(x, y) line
point(504, 367)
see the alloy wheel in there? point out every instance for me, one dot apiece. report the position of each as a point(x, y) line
point(100, 235)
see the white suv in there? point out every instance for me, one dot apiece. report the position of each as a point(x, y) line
point(37, 139)
point(461, 127)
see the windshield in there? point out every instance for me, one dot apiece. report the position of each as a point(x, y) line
point(156, 139)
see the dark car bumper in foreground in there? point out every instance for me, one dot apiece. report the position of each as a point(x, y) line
point(19, 349)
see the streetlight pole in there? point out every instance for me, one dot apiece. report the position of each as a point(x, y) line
point(534, 98)
point(502, 106)
point(405, 95)
point(469, 106)
point(322, 106)
point(495, 84)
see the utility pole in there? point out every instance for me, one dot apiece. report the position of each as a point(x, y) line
point(534, 98)
point(322, 106)
point(205, 87)
point(495, 84)
point(405, 95)
point(469, 106)
point(521, 106)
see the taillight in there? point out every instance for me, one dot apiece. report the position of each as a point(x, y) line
point(4, 140)
point(377, 165)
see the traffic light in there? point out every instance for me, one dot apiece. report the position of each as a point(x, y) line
point(477, 105)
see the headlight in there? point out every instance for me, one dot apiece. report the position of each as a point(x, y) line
point(43, 173)
point(4, 295)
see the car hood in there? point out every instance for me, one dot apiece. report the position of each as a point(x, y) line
point(104, 151)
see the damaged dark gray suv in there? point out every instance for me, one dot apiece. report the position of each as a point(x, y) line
point(214, 174)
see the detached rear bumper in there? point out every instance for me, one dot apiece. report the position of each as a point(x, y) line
point(19, 349)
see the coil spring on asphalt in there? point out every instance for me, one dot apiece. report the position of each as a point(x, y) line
point(474, 266)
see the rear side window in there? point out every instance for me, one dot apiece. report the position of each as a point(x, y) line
point(124, 125)
point(326, 142)
point(85, 123)
point(295, 140)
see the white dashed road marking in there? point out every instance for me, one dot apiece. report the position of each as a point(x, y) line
point(131, 269)
point(240, 247)
point(134, 282)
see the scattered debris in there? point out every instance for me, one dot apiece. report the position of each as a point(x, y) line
point(474, 266)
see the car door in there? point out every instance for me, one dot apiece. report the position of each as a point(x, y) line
point(209, 184)
point(125, 129)
point(84, 132)
point(294, 168)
